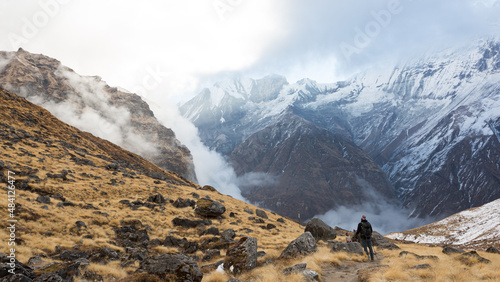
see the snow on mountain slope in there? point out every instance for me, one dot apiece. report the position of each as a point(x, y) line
point(472, 228)
point(431, 123)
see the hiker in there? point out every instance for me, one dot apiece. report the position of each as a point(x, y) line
point(347, 238)
point(365, 230)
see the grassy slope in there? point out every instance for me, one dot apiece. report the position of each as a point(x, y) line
point(40, 230)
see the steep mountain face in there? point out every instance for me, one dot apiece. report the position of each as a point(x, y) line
point(305, 170)
point(431, 124)
point(90, 104)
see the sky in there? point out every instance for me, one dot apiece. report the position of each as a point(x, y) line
point(168, 51)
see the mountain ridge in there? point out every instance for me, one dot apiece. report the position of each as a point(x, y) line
point(414, 120)
point(88, 102)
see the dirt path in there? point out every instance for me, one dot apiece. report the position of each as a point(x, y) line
point(348, 270)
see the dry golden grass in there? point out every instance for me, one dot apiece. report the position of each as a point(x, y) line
point(110, 271)
point(446, 268)
point(34, 222)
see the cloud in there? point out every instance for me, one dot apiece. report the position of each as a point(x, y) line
point(385, 216)
point(211, 168)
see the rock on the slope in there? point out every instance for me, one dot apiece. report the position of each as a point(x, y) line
point(261, 213)
point(452, 250)
point(353, 247)
point(472, 257)
point(305, 244)
point(175, 266)
point(493, 250)
point(320, 230)
point(295, 269)
point(241, 256)
point(209, 208)
point(381, 242)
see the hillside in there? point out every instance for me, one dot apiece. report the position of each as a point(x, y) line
point(476, 228)
point(75, 191)
point(88, 103)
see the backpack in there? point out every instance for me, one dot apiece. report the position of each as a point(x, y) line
point(365, 230)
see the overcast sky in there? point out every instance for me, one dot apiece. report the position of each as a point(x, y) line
point(167, 50)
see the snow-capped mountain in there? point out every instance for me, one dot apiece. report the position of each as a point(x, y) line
point(474, 228)
point(432, 124)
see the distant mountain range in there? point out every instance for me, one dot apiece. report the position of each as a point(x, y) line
point(429, 130)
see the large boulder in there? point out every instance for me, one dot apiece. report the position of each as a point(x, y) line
point(241, 256)
point(472, 257)
point(8, 263)
point(209, 208)
point(353, 247)
point(187, 223)
point(320, 230)
point(493, 250)
point(305, 244)
point(382, 243)
point(452, 250)
point(175, 266)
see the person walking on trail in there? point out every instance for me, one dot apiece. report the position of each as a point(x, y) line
point(365, 230)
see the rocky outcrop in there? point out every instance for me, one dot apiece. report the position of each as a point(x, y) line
point(174, 266)
point(242, 256)
point(305, 244)
point(320, 230)
point(353, 247)
point(452, 250)
point(209, 208)
point(47, 82)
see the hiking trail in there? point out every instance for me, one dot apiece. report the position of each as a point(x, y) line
point(347, 271)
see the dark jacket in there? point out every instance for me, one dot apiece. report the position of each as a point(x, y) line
point(368, 226)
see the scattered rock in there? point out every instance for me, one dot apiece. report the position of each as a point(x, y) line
point(242, 256)
point(295, 269)
point(209, 208)
point(158, 199)
point(181, 203)
point(184, 222)
point(80, 224)
point(382, 243)
point(208, 188)
point(232, 214)
point(92, 276)
point(69, 255)
point(132, 234)
point(6, 263)
point(421, 266)
point(353, 247)
point(493, 250)
point(43, 199)
point(261, 213)
point(210, 231)
point(281, 220)
point(405, 253)
point(36, 262)
point(310, 275)
point(305, 244)
point(228, 235)
point(452, 250)
point(64, 270)
point(175, 266)
point(171, 241)
point(248, 211)
point(470, 258)
point(320, 230)
point(210, 254)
